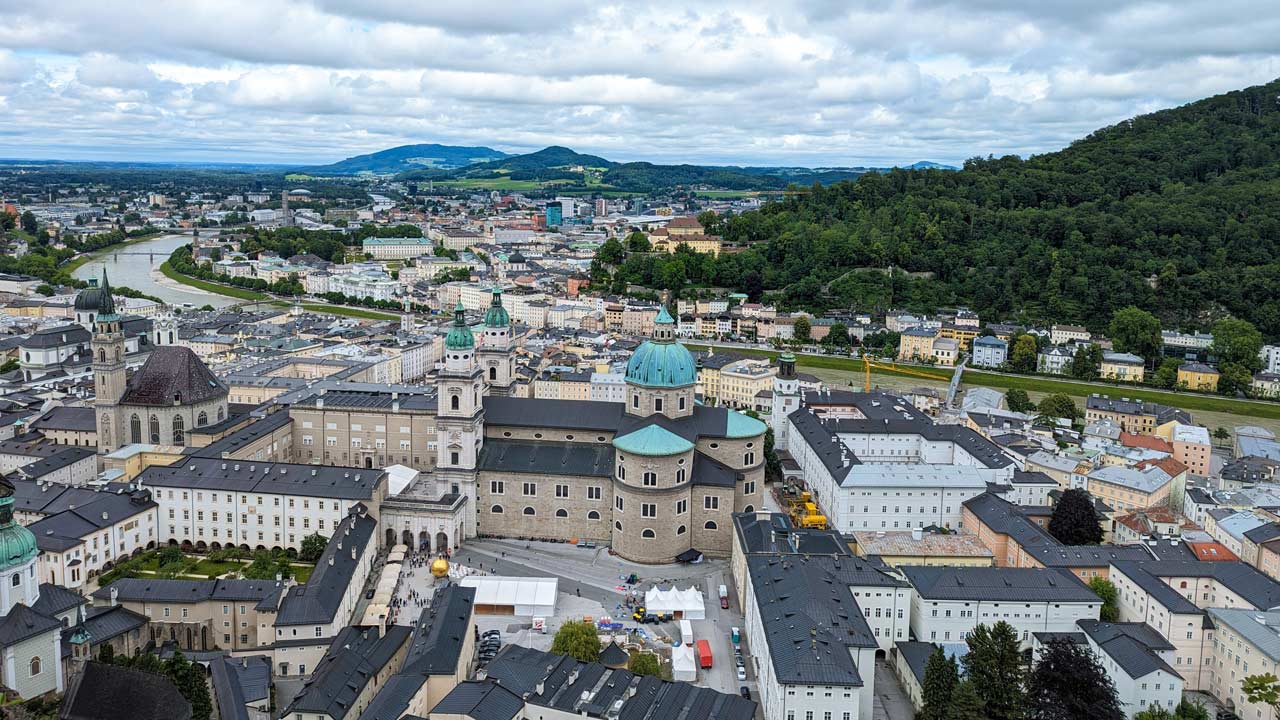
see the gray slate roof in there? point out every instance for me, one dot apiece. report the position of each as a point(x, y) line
point(316, 603)
point(202, 473)
point(999, 584)
point(546, 457)
point(113, 692)
point(79, 419)
point(809, 617)
point(440, 632)
point(264, 593)
point(480, 700)
point(1133, 646)
point(1240, 578)
point(354, 656)
point(172, 373)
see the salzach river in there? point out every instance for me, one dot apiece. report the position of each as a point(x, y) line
point(138, 266)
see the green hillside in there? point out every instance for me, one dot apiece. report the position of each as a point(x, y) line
point(1177, 212)
point(409, 157)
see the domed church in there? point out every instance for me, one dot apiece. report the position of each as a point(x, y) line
point(173, 391)
point(656, 477)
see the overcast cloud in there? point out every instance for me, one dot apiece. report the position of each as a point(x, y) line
point(806, 82)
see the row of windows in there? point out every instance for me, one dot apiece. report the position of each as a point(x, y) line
point(179, 427)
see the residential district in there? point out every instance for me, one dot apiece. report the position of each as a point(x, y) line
point(402, 516)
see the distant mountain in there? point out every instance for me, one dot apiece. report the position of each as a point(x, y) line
point(929, 165)
point(570, 169)
point(407, 158)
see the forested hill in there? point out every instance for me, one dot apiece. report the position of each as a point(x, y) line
point(1177, 212)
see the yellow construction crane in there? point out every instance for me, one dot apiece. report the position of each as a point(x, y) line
point(868, 364)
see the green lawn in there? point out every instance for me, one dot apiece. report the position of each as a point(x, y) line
point(302, 573)
point(205, 567)
point(349, 312)
point(491, 184)
point(215, 288)
point(1184, 400)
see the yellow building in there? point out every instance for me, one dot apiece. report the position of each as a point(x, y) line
point(742, 381)
point(685, 231)
point(916, 344)
point(1198, 376)
point(964, 334)
point(1125, 367)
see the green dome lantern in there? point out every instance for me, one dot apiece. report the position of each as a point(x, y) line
point(17, 544)
point(496, 316)
point(661, 361)
point(459, 337)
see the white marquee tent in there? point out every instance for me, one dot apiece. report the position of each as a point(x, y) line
point(535, 597)
point(687, 604)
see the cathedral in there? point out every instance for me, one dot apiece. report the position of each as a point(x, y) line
point(172, 393)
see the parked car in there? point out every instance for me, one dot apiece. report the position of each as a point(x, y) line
point(745, 692)
point(491, 633)
point(742, 672)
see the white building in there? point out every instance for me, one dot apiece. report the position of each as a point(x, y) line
point(608, 387)
point(375, 285)
point(82, 532)
point(399, 248)
point(889, 467)
point(951, 601)
point(990, 351)
point(1139, 661)
point(209, 502)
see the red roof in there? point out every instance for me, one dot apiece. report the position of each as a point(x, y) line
point(1149, 442)
point(1212, 551)
point(1167, 464)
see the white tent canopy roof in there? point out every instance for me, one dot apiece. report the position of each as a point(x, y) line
point(496, 590)
point(673, 600)
point(399, 477)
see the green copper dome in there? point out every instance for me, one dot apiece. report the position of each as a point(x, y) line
point(17, 544)
point(497, 316)
point(459, 337)
point(653, 441)
point(661, 361)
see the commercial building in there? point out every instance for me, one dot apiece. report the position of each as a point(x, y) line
point(1135, 416)
point(396, 248)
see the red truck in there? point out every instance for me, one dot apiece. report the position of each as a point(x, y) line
point(704, 653)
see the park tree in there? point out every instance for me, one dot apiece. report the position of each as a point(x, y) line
point(1106, 591)
point(1166, 375)
point(802, 329)
point(1239, 342)
point(1022, 357)
point(1075, 519)
point(638, 242)
point(578, 640)
point(1059, 405)
point(1068, 683)
point(611, 252)
point(189, 678)
point(940, 679)
point(965, 703)
point(313, 547)
point(1085, 363)
point(994, 666)
point(1136, 331)
point(8, 220)
point(1018, 400)
point(1234, 379)
point(645, 664)
point(29, 224)
point(838, 336)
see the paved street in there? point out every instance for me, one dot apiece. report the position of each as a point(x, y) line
point(891, 701)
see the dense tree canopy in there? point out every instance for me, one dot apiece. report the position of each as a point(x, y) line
point(1075, 519)
point(1174, 213)
point(1068, 683)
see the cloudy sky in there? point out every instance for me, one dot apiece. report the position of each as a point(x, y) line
point(805, 82)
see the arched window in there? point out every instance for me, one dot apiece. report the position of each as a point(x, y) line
point(681, 530)
point(496, 509)
point(749, 458)
point(220, 413)
point(528, 510)
point(562, 513)
point(680, 475)
point(202, 419)
point(749, 509)
point(454, 401)
point(710, 525)
point(593, 515)
point(179, 437)
point(102, 355)
point(648, 534)
point(135, 428)
point(650, 479)
point(35, 666)
point(155, 430)
point(493, 373)
point(17, 579)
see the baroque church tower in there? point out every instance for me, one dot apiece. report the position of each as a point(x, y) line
point(460, 416)
point(109, 375)
point(786, 397)
point(497, 350)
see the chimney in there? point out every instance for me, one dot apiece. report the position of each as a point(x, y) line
point(330, 561)
point(917, 534)
point(353, 553)
point(115, 595)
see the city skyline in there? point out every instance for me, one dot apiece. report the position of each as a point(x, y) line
point(811, 84)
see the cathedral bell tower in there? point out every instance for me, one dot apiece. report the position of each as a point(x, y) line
point(497, 350)
point(786, 398)
point(109, 377)
point(460, 415)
